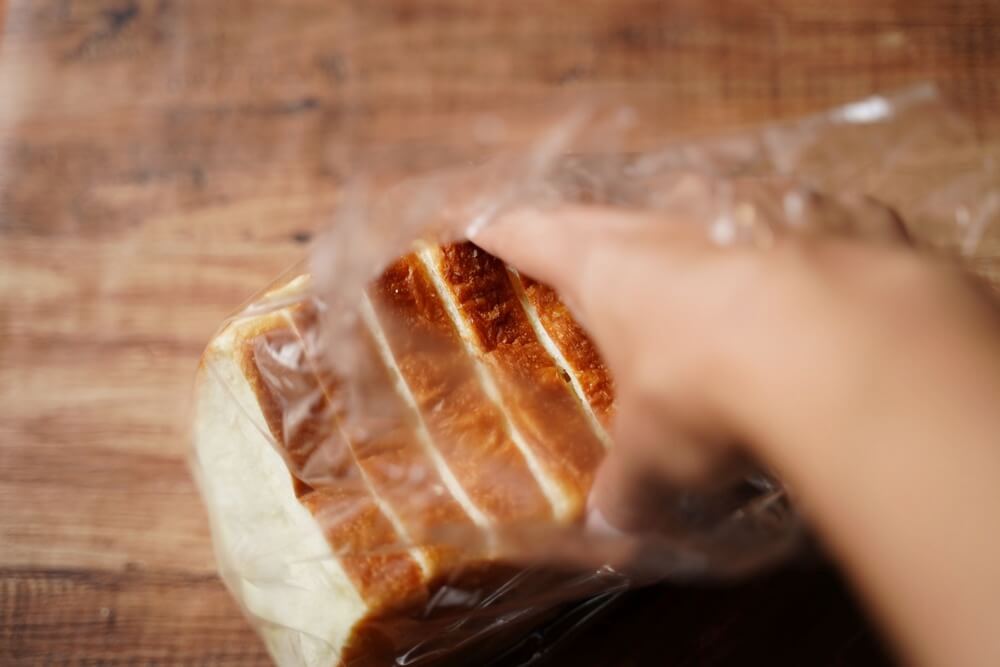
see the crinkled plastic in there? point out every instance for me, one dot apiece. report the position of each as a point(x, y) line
point(396, 453)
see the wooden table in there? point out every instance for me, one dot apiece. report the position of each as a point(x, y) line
point(161, 160)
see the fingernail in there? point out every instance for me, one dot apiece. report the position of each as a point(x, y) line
point(597, 524)
point(476, 226)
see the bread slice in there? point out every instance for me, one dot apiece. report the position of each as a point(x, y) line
point(487, 408)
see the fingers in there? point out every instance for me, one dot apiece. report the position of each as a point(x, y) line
point(660, 463)
point(583, 252)
point(872, 221)
point(849, 216)
point(548, 244)
point(644, 474)
point(776, 206)
point(653, 287)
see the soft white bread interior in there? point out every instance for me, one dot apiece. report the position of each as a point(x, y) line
point(271, 552)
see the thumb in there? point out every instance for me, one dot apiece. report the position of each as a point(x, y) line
point(661, 476)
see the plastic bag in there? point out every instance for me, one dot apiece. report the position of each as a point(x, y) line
point(442, 418)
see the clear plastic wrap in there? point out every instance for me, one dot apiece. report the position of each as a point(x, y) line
point(396, 461)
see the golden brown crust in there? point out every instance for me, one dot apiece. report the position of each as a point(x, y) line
point(575, 345)
point(542, 404)
point(468, 429)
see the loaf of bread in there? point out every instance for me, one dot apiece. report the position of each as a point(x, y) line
point(489, 408)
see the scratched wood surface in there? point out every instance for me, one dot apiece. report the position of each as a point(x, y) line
point(161, 160)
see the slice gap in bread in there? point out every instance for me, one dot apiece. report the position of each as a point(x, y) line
point(553, 349)
point(563, 510)
point(467, 427)
point(575, 346)
point(423, 435)
point(539, 401)
point(417, 553)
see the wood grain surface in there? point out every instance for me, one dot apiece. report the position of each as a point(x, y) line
point(161, 160)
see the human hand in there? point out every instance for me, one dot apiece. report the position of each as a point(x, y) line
point(865, 373)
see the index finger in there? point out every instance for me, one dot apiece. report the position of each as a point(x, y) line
point(569, 247)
